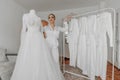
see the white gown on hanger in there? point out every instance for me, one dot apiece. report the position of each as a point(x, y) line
point(104, 26)
point(86, 58)
point(72, 39)
point(34, 61)
point(82, 45)
point(91, 47)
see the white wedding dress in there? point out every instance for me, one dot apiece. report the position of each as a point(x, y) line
point(34, 61)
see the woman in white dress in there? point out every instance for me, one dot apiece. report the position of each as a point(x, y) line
point(34, 60)
point(52, 35)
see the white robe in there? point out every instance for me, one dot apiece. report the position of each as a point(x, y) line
point(104, 25)
point(52, 40)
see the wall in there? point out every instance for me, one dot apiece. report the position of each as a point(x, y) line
point(10, 25)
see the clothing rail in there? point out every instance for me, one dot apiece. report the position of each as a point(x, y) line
point(94, 12)
point(111, 10)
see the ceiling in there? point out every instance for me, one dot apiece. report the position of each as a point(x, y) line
point(48, 5)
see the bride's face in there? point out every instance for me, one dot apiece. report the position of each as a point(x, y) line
point(51, 19)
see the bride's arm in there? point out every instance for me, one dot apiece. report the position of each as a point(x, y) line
point(42, 29)
point(65, 28)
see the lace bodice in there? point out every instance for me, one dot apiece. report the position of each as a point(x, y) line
point(31, 22)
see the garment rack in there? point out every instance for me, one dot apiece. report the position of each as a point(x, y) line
point(111, 10)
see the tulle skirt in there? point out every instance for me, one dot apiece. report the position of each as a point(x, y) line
point(34, 61)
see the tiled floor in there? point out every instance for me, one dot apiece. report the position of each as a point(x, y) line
point(109, 72)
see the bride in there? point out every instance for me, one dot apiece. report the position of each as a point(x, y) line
point(34, 61)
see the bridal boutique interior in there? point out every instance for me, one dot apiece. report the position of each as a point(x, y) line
point(89, 50)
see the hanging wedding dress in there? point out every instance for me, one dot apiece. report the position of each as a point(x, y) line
point(91, 47)
point(104, 25)
point(72, 39)
point(86, 58)
point(34, 61)
point(82, 45)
